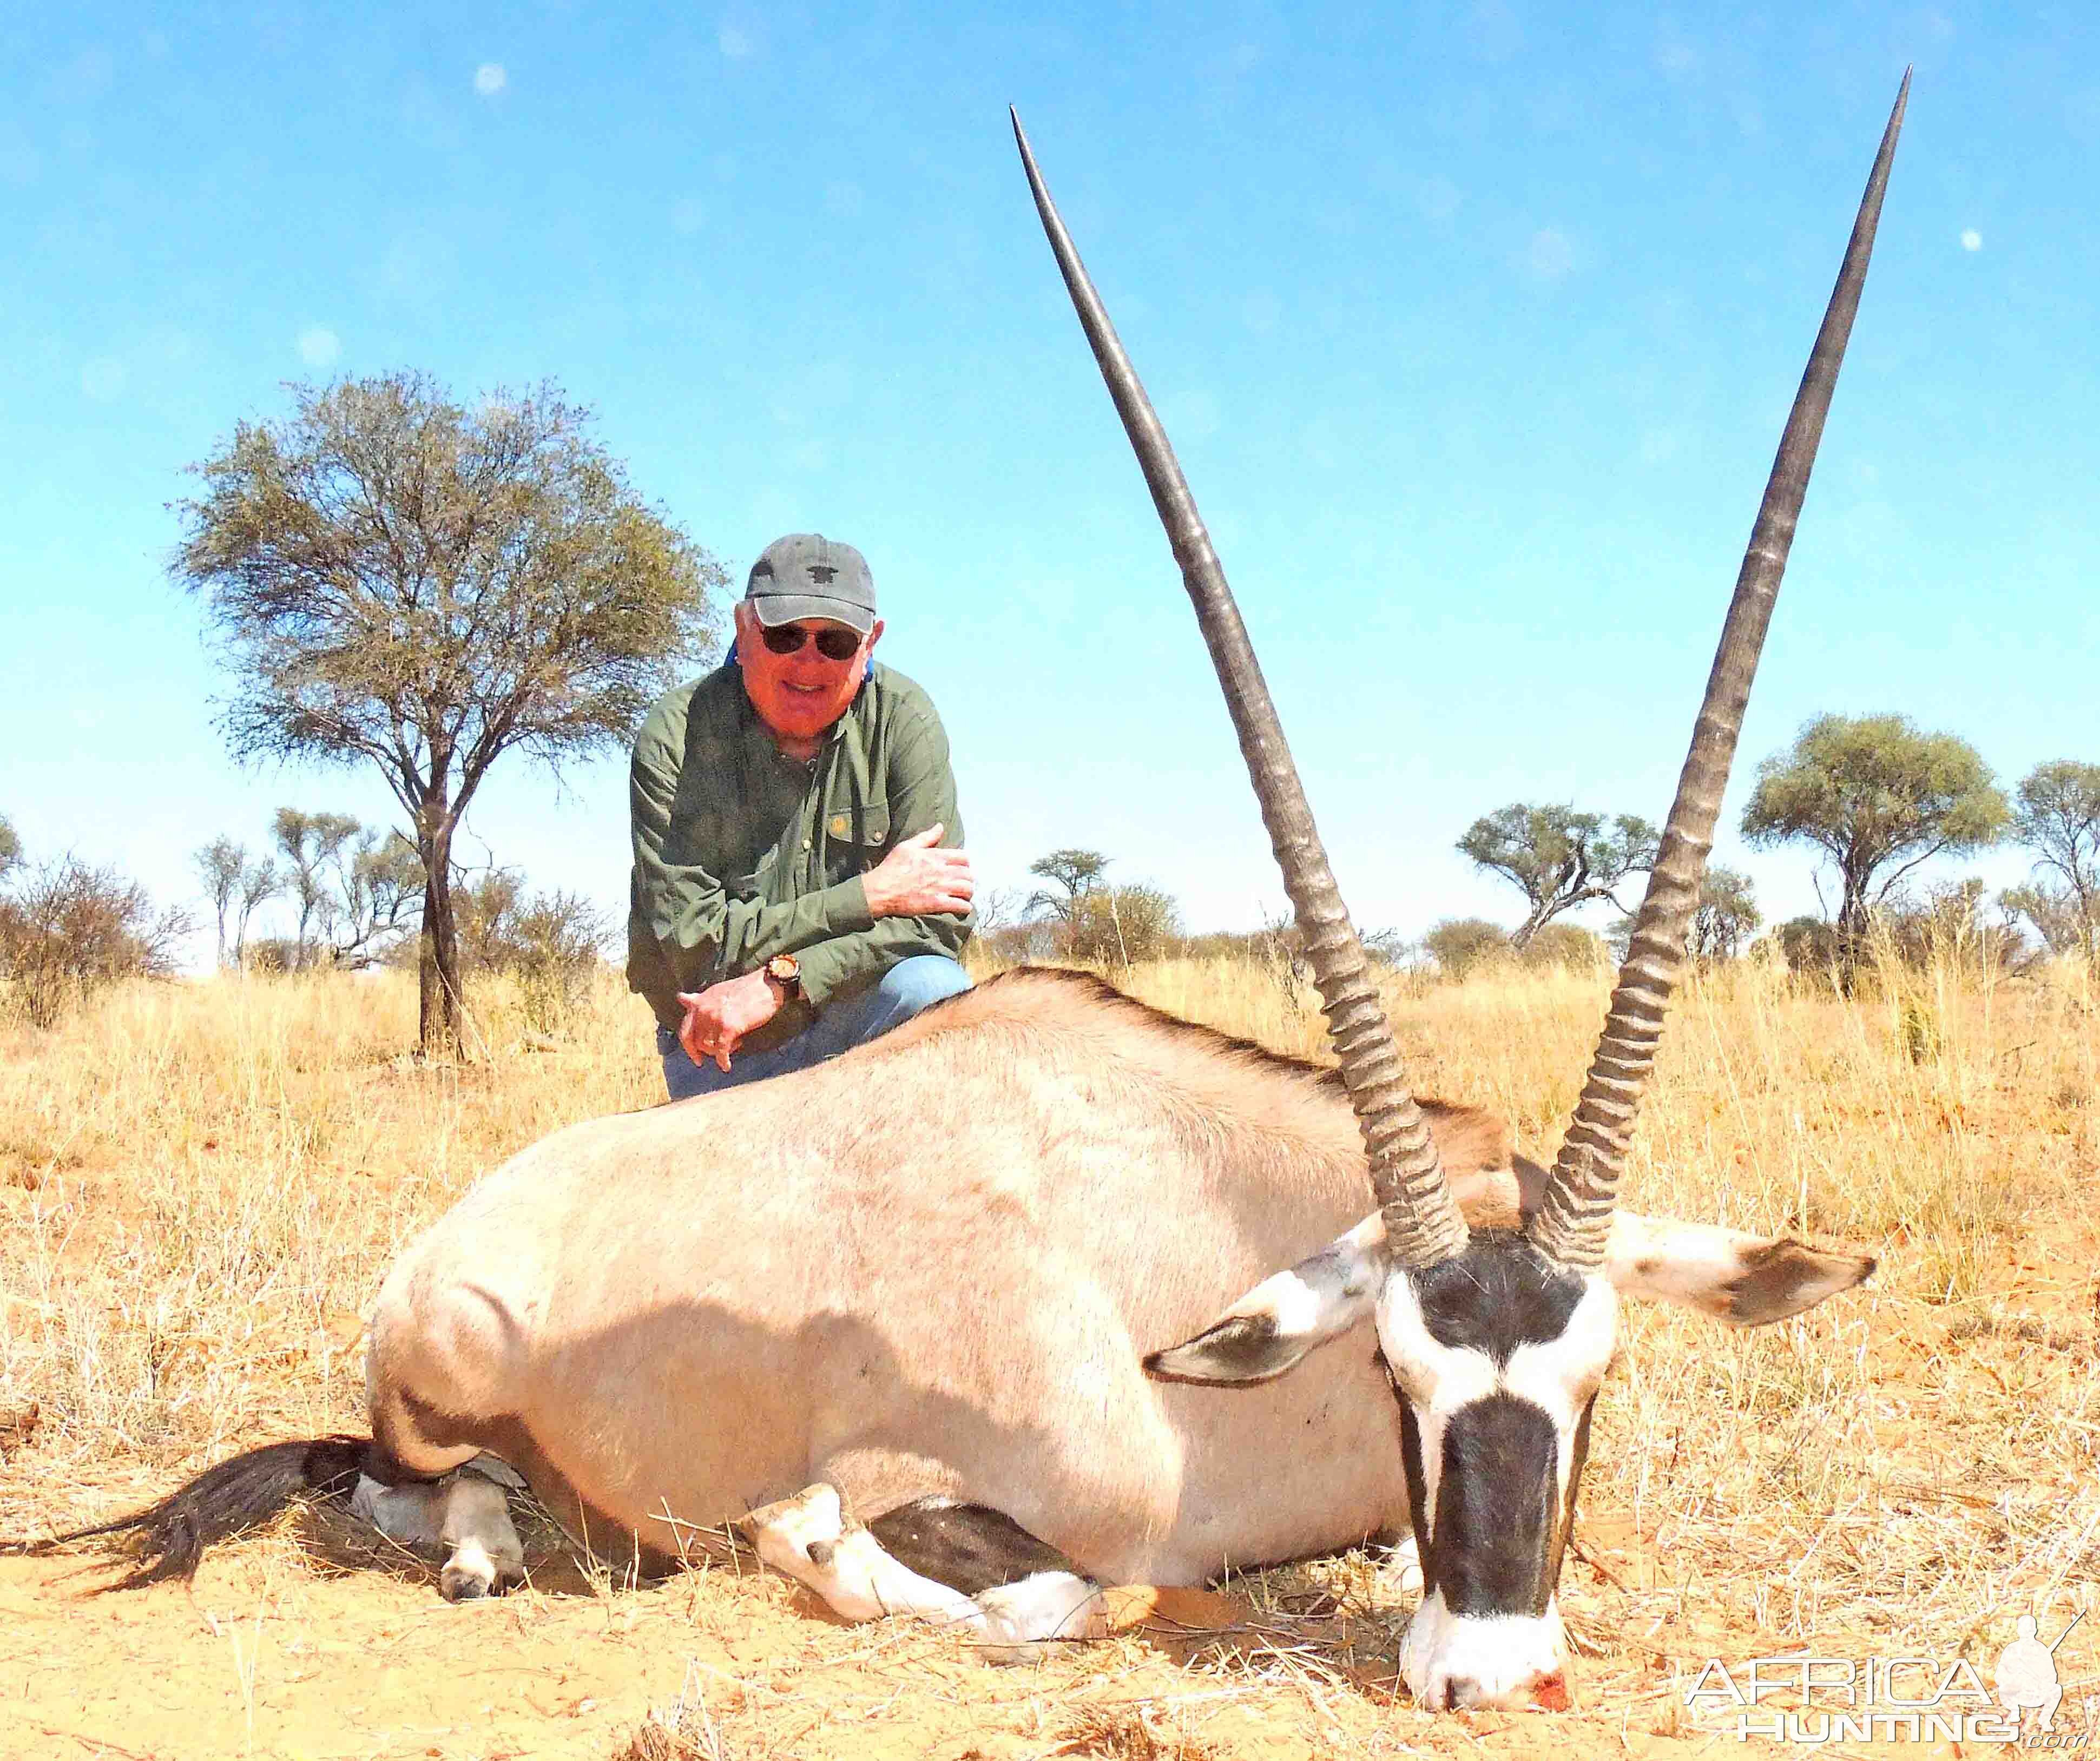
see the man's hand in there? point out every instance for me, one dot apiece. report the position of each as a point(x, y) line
point(717, 1018)
point(916, 879)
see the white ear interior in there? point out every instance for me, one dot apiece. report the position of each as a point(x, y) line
point(1745, 1279)
point(1284, 1316)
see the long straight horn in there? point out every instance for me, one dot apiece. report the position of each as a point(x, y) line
point(1422, 1223)
point(1575, 1220)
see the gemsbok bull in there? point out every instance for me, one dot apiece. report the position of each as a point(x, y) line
point(911, 1318)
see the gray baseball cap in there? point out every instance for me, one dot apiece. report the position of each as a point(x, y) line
point(807, 576)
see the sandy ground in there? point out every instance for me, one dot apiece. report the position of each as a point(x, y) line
point(318, 1641)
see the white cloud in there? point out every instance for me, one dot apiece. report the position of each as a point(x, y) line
point(103, 378)
point(490, 78)
point(736, 42)
point(318, 346)
point(1971, 240)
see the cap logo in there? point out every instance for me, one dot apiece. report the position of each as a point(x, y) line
point(822, 573)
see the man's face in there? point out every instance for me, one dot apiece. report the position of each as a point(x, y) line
point(800, 694)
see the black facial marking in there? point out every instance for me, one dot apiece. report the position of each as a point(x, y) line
point(1494, 1541)
point(1501, 1293)
point(969, 1547)
point(1498, 1499)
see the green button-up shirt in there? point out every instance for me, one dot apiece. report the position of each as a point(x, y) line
point(742, 853)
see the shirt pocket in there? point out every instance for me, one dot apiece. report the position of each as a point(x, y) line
point(856, 840)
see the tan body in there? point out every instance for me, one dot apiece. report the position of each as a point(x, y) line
point(931, 1266)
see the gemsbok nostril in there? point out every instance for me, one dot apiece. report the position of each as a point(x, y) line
point(1549, 1693)
point(820, 1552)
point(1460, 1692)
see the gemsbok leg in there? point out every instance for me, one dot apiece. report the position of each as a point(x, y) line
point(951, 1563)
point(465, 1512)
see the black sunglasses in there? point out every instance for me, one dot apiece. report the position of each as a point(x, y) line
point(832, 643)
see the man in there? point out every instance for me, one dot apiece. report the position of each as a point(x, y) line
point(798, 886)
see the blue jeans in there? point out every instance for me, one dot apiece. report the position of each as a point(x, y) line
point(906, 988)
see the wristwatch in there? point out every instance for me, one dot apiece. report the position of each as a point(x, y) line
point(786, 971)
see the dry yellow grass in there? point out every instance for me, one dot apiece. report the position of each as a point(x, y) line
point(203, 1183)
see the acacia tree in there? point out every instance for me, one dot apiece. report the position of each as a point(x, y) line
point(380, 880)
point(313, 844)
point(219, 865)
point(1727, 918)
point(259, 881)
point(1878, 797)
point(1075, 873)
point(424, 585)
point(1559, 859)
point(2058, 816)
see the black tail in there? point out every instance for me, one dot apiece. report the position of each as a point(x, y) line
point(167, 1539)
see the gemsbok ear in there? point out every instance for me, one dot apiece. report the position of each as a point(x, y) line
point(1284, 1317)
point(1745, 1280)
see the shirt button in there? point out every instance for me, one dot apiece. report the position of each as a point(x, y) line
point(805, 843)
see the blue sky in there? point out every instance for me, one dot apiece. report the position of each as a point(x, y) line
point(1474, 323)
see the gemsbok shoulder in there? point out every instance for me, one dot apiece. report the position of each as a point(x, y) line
point(952, 1326)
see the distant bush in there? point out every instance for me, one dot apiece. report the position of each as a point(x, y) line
point(1121, 925)
point(1942, 924)
point(2056, 914)
point(1806, 944)
point(69, 930)
point(1459, 944)
point(549, 942)
point(1563, 947)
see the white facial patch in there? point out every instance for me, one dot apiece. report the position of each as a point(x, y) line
point(1452, 1662)
point(1557, 1375)
point(1490, 1659)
